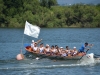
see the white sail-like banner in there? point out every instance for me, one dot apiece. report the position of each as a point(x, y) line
point(31, 30)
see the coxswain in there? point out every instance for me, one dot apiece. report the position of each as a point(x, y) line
point(83, 47)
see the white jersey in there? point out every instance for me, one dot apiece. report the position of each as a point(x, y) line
point(54, 50)
point(47, 49)
point(75, 52)
point(64, 54)
point(69, 52)
point(41, 49)
point(35, 48)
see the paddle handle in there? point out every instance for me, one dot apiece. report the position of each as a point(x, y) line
point(83, 55)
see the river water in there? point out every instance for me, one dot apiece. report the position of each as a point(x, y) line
point(12, 40)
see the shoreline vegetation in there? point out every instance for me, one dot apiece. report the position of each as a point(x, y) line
point(48, 14)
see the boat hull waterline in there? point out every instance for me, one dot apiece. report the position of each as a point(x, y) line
point(77, 57)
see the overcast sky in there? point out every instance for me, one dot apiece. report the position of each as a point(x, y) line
point(78, 1)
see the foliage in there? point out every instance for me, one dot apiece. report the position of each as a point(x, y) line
point(48, 3)
point(47, 13)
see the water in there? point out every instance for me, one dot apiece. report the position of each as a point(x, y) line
point(11, 43)
point(61, 2)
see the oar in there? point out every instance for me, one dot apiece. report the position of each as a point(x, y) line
point(83, 55)
point(96, 54)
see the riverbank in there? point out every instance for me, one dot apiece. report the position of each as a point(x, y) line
point(76, 15)
point(72, 26)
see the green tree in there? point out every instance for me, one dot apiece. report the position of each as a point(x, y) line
point(44, 3)
point(46, 13)
point(48, 3)
point(2, 16)
point(52, 3)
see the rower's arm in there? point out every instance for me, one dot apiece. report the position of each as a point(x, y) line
point(39, 41)
point(90, 45)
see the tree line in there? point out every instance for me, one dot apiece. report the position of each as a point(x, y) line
point(47, 13)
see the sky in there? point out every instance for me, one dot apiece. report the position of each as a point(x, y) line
point(78, 1)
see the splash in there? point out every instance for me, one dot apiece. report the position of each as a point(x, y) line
point(89, 59)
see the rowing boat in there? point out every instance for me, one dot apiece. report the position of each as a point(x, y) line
point(76, 57)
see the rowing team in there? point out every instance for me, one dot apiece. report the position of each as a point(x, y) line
point(55, 50)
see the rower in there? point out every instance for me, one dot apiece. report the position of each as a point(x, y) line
point(67, 48)
point(83, 47)
point(53, 50)
point(41, 48)
point(68, 51)
point(74, 51)
point(35, 48)
point(60, 51)
point(63, 54)
point(57, 48)
point(47, 49)
point(32, 44)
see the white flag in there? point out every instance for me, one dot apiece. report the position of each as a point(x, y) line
point(31, 30)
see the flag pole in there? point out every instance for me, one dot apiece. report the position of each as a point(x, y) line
point(22, 42)
point(21, 56)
